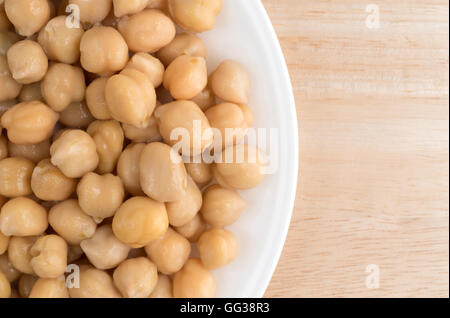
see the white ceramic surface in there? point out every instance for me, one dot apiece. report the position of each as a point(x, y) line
point(244, 33)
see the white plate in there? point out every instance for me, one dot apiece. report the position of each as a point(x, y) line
point(244, 33)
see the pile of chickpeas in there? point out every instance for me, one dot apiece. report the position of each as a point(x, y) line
point(88, 175)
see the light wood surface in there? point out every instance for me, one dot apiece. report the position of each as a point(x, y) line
point(374, 131)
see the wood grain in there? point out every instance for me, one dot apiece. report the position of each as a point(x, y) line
point(374, 154)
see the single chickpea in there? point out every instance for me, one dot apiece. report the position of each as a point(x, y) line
point(27, 62)
point(23, 217)
point(195, 15)
point(221, 207)
point(71, 223)
point(103, 51)
point(246, 169)
point(148, 134)
point(136, 278)
point(183, 211)
point(231, 82)
point(128, 168)
point(182, 44)
point(49, 256)
point(193, 229)
point(131, 98)
point(104, 250)
point(4, 242)
point(92, 11)
point(100, 196)
point(9, 88)
point(33, 152)
point(94, 283)
point(205, 99)
point(29, 122)
point(163, 288)
point(7, 39)
point(149, 65)
point(147, 31)
point(200, 172)
point(15, 176)
point(76, 115)
point(3, 146)
point(108, 137)
point(19, 253)
point(217, 248)
point(5, 286)
point(74, 153)
point(5, 24)
point(232, 121)
point(194, 281)
point(96, 99)
point(31, 92)
point(61, 43)
point(127, 7)
point(28, 16)
point(8, 269)
point(163, 176)
point(26, 283)
point(139, 221)
point(170, 252)
point(186, 77)
point(62, 85)
point(50, 288)
point(50, 184)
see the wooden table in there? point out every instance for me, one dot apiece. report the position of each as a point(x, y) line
point(374, 154)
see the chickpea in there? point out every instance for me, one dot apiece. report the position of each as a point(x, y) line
point(183, 211)
point(62, 85)
point(147, 31)
point(28, 16)
point(50, 288)
point(162, 173)
point(217, 248)
point(3, 147)
point(200, 172)
point(127, 7)
point(71, 223)
point(140, 221)
point(93, 11)
point(4, 242)
point(7, 39)
point(163, 288)
point(19, 253)
point(76, 115)
point(240, 174)
point(170, 252)
point(27, 62)
point(103, 51)
point(131, 98)
point(205, 99)
point(96, 100)
point(186, 77)
point(231, 82)
point(193, 229)
point(149, 65)
point(15, 176)
point(136, 278)
point(148, 134)
point(5, 286)
point(33, 152)
point(31, 92)
point(195, 15)
point(128, 168)
point(74, 153)
point(182, 44)
point(8, 269)
point(9, 88)
point(104, 250)
point(108, 137)
point(100, 196)
point(94, 283)
point(50, 184)
point(26, 283)
point(5, 24)
point(221, 206)
point(157, 4)
point(60, 43)
point(49, 256)
point(29, 122)
point(194, 281)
